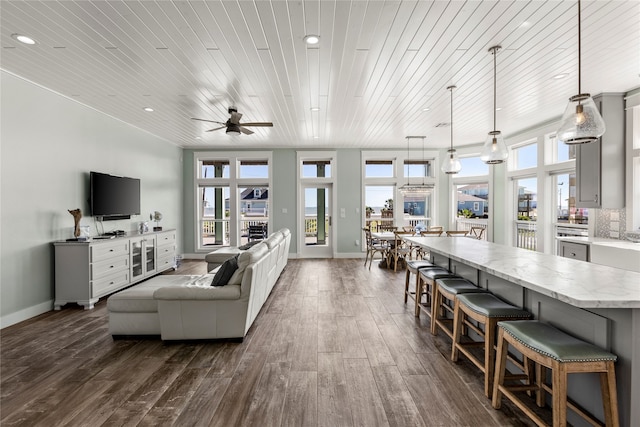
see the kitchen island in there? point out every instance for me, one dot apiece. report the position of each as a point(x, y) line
point(596, 303)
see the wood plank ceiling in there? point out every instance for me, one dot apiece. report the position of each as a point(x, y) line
point(379, 73)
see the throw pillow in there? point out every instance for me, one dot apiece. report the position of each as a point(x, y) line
point(249, 245)
point(225, 272)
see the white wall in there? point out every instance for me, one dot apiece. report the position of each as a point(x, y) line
point(48, 145)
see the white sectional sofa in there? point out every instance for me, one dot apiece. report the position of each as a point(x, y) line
point(188, 307)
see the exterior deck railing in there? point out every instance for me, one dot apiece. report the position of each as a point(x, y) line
point(526, 235)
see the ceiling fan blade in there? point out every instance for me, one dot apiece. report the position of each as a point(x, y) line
point(245, 131)
point(205, 120)
point(263, 124)
point(235, 117)
point(211, 130)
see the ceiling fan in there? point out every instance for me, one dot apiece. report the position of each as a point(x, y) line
point(233, 125)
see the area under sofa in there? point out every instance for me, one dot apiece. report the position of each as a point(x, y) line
point(188, 307)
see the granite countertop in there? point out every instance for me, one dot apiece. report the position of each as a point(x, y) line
point(580, 284)
point(614, 243)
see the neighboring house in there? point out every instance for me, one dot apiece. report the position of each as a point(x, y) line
point(478, 190)
point(254, 201)
point(475, 204)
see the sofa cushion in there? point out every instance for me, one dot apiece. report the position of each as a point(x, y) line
point(273, 240)
point(248, 257)
point(139, 298)
point(221, 255)
point(224, 273)
point(248, 245)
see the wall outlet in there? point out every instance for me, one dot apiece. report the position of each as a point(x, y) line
point(357, 242)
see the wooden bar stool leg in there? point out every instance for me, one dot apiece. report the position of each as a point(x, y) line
point(541, 376)
point(609, 395)
point(406, 285)
point(458, 318)
point(436, 300)
point(489, 355)
point(501, 364)
point(559, 395)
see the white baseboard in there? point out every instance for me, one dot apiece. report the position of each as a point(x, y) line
point(25, 314)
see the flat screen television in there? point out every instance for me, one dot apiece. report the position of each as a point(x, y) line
point(114, 197)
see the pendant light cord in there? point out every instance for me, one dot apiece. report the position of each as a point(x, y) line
point(451, 90)
point(579, 51)
point(495, 50)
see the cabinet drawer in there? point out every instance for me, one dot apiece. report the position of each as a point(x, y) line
point(109, 284)
point(109, 250)
point(166, 250)
point(108, 267)
point(574, 250)
point(166, 239)
point(166, 261)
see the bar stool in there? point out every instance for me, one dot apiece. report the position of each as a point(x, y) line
point(563, 354)
point(487, 309)
point(413, 266)
point(426, 284)
point(445, 289)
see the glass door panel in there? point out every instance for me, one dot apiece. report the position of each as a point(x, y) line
point(316, 222)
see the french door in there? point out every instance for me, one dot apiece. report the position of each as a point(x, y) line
point(314, 226)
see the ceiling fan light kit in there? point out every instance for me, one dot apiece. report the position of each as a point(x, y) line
point(494, 150)
point(451, 164)
point(581, 122)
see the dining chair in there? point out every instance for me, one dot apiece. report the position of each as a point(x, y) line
point(373, 247)
point(401, 249)
point(435, 228)
point(477, 232)
point(457, 233)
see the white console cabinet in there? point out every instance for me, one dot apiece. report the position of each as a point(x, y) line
point(86, 271)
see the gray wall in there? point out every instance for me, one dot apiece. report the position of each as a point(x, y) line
point(49, 144)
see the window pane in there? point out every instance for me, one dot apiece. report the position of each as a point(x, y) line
point(473, 200)
point(316, 169)
point(378, 201)
point(566, 211)
point(254, 213)
point(214, 215)
point(473, 166)
point(527, 156)
point(417, 211)
point(417, 169)
point(214, 169)
point(527, 199)
point(378, 169)
point(254, 169)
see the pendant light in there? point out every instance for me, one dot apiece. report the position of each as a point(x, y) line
point(415, 189)
point(581, 122)
point(494, 150)
point(452, 164)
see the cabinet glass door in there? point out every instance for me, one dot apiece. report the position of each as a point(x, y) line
point(137, 254)
point(150, 255)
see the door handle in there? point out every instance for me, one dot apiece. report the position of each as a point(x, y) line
point(329, 220)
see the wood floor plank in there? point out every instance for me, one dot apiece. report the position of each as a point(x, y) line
point(374, 345)
point(349, 338)
point(332, 391)
point(300, 407)
point(269, 396)
point(397, 401)
point(364, 398)
point(402, 353)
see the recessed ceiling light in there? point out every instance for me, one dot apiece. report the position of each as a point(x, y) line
point(23, 39)
point(560, 76)
point(426, 109)
point(148, 109)
point(198, 137)
point(315, 108)
point(316, 137)
point(498, 108)
point(311, 39)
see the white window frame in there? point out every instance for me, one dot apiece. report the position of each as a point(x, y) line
point(234, 182)
point(471, 180)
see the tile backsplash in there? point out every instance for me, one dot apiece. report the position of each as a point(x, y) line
point(612, 224)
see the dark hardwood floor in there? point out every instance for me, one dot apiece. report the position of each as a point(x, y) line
point(334, 345)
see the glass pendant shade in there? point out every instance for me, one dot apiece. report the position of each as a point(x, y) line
point(494, 150)
point(581, 121)
point(451, 164)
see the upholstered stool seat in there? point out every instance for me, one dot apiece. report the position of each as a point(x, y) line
point(413, 266)
point(487, 309)
point(445, 290)
point(426, 286)
point(563, 354)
